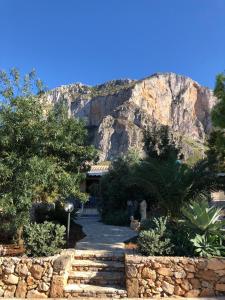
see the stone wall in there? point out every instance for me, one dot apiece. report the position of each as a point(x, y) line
point(23, 277)
point(169, 276)
point(33, 277)
point(11, 250)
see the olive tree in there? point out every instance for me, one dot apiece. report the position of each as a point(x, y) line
point(43, 152)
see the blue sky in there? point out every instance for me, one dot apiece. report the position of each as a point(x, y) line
point(92, 41)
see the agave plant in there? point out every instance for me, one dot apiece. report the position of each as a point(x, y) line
point(206, 225)
point(204, 218)
point(208, 245)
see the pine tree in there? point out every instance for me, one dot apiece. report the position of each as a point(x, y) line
point(216, 151)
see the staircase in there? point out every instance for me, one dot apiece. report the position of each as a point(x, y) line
point(98, 274)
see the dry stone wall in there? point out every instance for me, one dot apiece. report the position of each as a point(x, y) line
point(174, 276)
point(33, 277)
point(23, 277)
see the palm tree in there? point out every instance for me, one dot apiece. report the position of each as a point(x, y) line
point(172, 184)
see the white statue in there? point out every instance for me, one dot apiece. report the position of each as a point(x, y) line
point(143, 210)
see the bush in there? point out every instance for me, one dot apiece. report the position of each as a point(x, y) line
point(7, 229)
point(201, 233)
point(180, 236)
point(44, 239)
point(54, 213)
point(119, 218)
point(155, 241)
point(147, 224)
point(44, 212)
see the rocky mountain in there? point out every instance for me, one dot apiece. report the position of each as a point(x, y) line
point(117, 111)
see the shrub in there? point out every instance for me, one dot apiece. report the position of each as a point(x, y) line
point(7, 228)
point(44, 239)
point(54, 213)
point(155, 241)
point(147, 224)
point(43, 212)
point(180, 236)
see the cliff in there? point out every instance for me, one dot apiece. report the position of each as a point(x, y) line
point(116, 112)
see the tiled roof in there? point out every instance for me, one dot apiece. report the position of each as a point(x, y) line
point(98, 170)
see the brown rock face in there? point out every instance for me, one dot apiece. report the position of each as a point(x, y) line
point(117, 112)
point(131, 271)
point(21, 289)
point(220, 287)
point(35, 294)
point(57, 286)
point(215, 264)
point(192, 293)
point(132, 287)
point(178, 291)
point(207, 275)
point(36, 271)
point(165, 272)
point(11, 279)
point(10, 291)
point(148, 273)
point(168, 288)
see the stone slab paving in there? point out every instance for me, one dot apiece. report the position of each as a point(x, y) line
point(102, 237)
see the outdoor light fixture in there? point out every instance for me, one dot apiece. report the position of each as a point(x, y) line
point(69, 207)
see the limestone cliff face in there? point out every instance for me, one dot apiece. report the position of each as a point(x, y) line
point(116, 112)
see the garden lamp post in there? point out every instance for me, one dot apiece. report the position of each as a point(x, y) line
point(69, 207)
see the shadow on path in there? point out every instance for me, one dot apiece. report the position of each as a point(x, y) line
point(102, 237)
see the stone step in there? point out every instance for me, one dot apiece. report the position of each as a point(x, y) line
point(97, 265)
point(99, 255)
point(96, 277)
point(87, 290)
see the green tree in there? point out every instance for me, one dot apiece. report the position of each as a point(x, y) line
point(43, 152)
point(219, 109)
point(161, 178)
point(216, 142)
point(165, 179)
point(115, 188)
point(170, 184)
point(159, 143)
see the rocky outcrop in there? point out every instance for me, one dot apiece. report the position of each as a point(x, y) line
point(117, 112)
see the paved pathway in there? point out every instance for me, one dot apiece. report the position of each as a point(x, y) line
point(102, 237)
